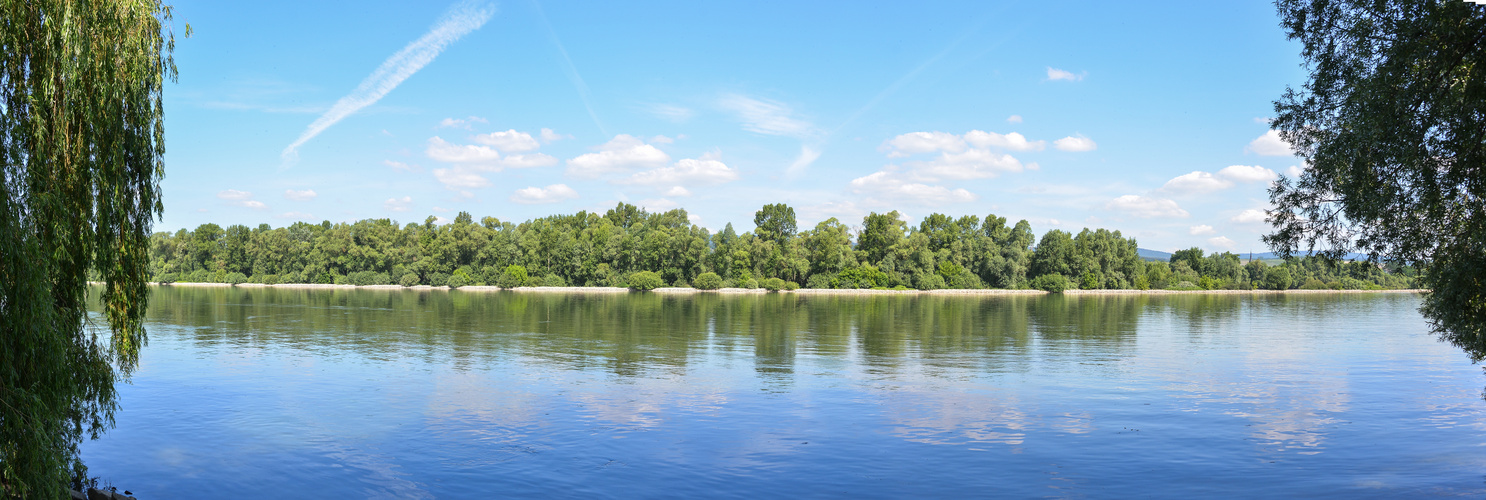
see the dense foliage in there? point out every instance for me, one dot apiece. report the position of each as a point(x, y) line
point(666, 249)
point(1392, 123)
point(81, 134)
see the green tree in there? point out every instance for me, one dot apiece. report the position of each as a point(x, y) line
point(775, 222)
point(1392, 123)
point(82, 134)
point(880, 232)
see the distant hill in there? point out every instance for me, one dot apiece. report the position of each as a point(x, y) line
point(1156, 255)
point(1272, 256)
point(1149, 254)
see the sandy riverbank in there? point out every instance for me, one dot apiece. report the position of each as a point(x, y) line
point(802, 291)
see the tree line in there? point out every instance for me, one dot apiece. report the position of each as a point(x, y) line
point(629, 246)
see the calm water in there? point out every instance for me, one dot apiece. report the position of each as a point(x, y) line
point(434, 394)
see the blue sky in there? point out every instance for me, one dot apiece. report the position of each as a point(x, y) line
point(1145, 118)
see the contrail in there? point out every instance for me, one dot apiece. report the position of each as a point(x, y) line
point(459, 21)
point(571, 69)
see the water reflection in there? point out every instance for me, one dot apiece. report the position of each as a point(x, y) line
point(408, 388)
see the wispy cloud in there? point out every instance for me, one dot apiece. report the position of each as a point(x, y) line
point(766, 116)
point(1055, 74)
point(459, 21)
point(808, 155)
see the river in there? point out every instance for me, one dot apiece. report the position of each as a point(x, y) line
point(336, 393)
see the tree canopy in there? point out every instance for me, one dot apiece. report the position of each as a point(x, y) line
point(81, 132)
point(589, 249)
point(1392, 125)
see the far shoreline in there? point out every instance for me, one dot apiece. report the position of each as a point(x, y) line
point(801, 291)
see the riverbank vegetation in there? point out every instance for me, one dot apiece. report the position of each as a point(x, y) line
point(630, 247)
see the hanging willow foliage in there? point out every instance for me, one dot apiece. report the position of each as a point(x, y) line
point(82, 136)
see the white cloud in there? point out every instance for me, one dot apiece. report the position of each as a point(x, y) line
point(463, 123)
point(1012, 141)
point(1055, 74)
point(460, 178)
point(670, 112)
point(892, 188)
point(509, 141)
point(1014, 119)
point(1221, 242)
point(658, 205)
point(922, 142)
point(398, 204)
point(661, 139)
point(913, 143)
point(549, 137)
point(1270, 144)
point(624, 152)
point(550, 194)
point(441, 221)
point(306, 195)
point(1146, 207)
point(765, 116)
point(704, 171)
point(971, 164)
point(1249, 216)
point(678, 191)
point(1246, 173)
point(1076, 144)
point(1262, 120)
point(486, 158)
point(234, 195)
point(241, 199)
point(397, 165)
point(461, 20)
point(444, 151)
point(527, 161)
point(1197, 182)
point(808, 155)
point(1201, 229)
point(1294, 171)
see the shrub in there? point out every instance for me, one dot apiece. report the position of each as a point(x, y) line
point(1209, 283)
point(645, 280)
point(965, 280)
point(368, 278)
point(513, 277)
point(1051, 283)
point(1142, 283)
point(1185, 285)
point(553, 280)
point(750, 284)
point(1313, 284)
point(929, 281)
point(438, 279)
point(707, 281)
point(166, 278)
point(791, 286)
point(268, 279)
point(818, 280)
point(680, 283)
point(1091, 281)
point(1277, 278)
point(459, 279)
point(772, 284)
point(235, 278)
point(408, 279)
point(860, 277)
